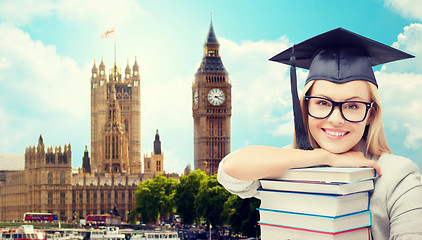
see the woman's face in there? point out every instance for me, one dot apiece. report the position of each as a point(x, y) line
point(334, 133)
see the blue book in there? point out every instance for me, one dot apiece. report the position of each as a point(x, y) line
point(315, 222)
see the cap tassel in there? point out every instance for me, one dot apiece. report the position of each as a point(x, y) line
point(302, 141)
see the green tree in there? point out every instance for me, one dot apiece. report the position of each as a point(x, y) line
point(186, 193)
point(154, 198)
point(210, 201)
point(242, 216)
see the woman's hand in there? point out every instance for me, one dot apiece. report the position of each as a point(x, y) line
point(352, 159)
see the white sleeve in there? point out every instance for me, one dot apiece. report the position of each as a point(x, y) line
point(244, 189)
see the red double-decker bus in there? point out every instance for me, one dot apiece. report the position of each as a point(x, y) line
point(98, 219)
point(39, 217)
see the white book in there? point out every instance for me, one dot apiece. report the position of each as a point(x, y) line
point(317, 187)
point(271, 232)
point(329, 174)
point(315, 222)
point(312, 203)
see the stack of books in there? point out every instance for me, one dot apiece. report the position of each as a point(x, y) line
point(318, 203)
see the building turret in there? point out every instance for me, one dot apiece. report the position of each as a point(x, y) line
point(127, 71)
point(94, 70)
point(102, 67)
point(135, 68)
point(157, 144)
point(86, 164)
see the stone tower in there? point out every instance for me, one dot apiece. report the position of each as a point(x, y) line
point(154, 163)
point(211, 108)
point(115, 120)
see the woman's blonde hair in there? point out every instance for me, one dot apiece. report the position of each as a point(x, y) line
point(376, 143)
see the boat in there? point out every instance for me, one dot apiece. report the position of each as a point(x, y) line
point(155, 235)
point(111, 233)
point(24, 232)
point(66, 235)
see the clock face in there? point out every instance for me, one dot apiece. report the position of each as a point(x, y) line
point(216, 96)
point(195, 97)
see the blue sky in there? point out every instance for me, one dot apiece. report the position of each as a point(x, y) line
point(47, 50)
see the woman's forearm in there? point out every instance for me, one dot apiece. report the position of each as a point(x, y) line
point(256, 162)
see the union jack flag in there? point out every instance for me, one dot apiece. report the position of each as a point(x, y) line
point(108, 33)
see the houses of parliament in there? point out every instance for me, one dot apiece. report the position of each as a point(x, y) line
point(112, 170)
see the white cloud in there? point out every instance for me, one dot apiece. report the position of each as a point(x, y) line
point(406, 8)
point(102, 12)
point(402, 105)
point(99, 11)
point(409, 41)
point(42, 92)
point(400, 84)
point(262, 88)
point(21, 12)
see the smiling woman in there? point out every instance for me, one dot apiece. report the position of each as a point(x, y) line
point(342, 127)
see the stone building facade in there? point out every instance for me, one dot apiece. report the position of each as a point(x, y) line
point(107, 180)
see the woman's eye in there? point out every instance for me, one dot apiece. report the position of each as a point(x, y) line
point(323, 103)
point(351, 106)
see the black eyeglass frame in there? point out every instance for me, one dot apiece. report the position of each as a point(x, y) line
point(339, 104)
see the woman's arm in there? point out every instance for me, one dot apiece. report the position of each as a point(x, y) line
point(256, 162)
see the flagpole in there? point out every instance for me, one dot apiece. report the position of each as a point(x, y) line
point(115, 66)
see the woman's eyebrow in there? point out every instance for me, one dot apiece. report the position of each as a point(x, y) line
point(347, 99)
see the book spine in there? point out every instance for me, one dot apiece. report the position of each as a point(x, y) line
point(313, 231)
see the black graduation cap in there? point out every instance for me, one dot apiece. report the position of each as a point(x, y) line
point(338, 56)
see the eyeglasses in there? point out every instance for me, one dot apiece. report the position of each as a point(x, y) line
point(352, 111)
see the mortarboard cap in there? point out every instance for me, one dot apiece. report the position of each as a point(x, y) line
point(338, 56)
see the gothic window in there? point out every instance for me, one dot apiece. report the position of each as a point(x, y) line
point(109, 198)
point(102, 197)
point(158, 166)
point(130, 197)
point(80, 198)
point(87, 197)
point(50, 198)
point(115, 147)
point(50, 178)
point(73, 198)
point(62, 178)
point(107, 147)
point(62, 198)
point(126, 126)
point(94, 197)
point(116, 197)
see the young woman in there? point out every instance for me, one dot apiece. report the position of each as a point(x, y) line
point(343, 124)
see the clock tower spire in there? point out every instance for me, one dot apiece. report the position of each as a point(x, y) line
point(211, 108)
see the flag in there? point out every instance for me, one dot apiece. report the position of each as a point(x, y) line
point(108, 33)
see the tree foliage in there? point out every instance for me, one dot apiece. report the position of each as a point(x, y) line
point(154, 198)
point(186, 193)
point(210, 201)
point(242, 215)
point(195, 198)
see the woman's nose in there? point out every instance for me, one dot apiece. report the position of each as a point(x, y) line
point(336, 117)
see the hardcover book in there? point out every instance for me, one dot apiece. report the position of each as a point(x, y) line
point(315, 222)
point(329, 174)
point(312, 203)
point(282, 233)
point(317, 187)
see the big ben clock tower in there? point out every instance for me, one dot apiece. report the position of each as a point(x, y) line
point(211, 108)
